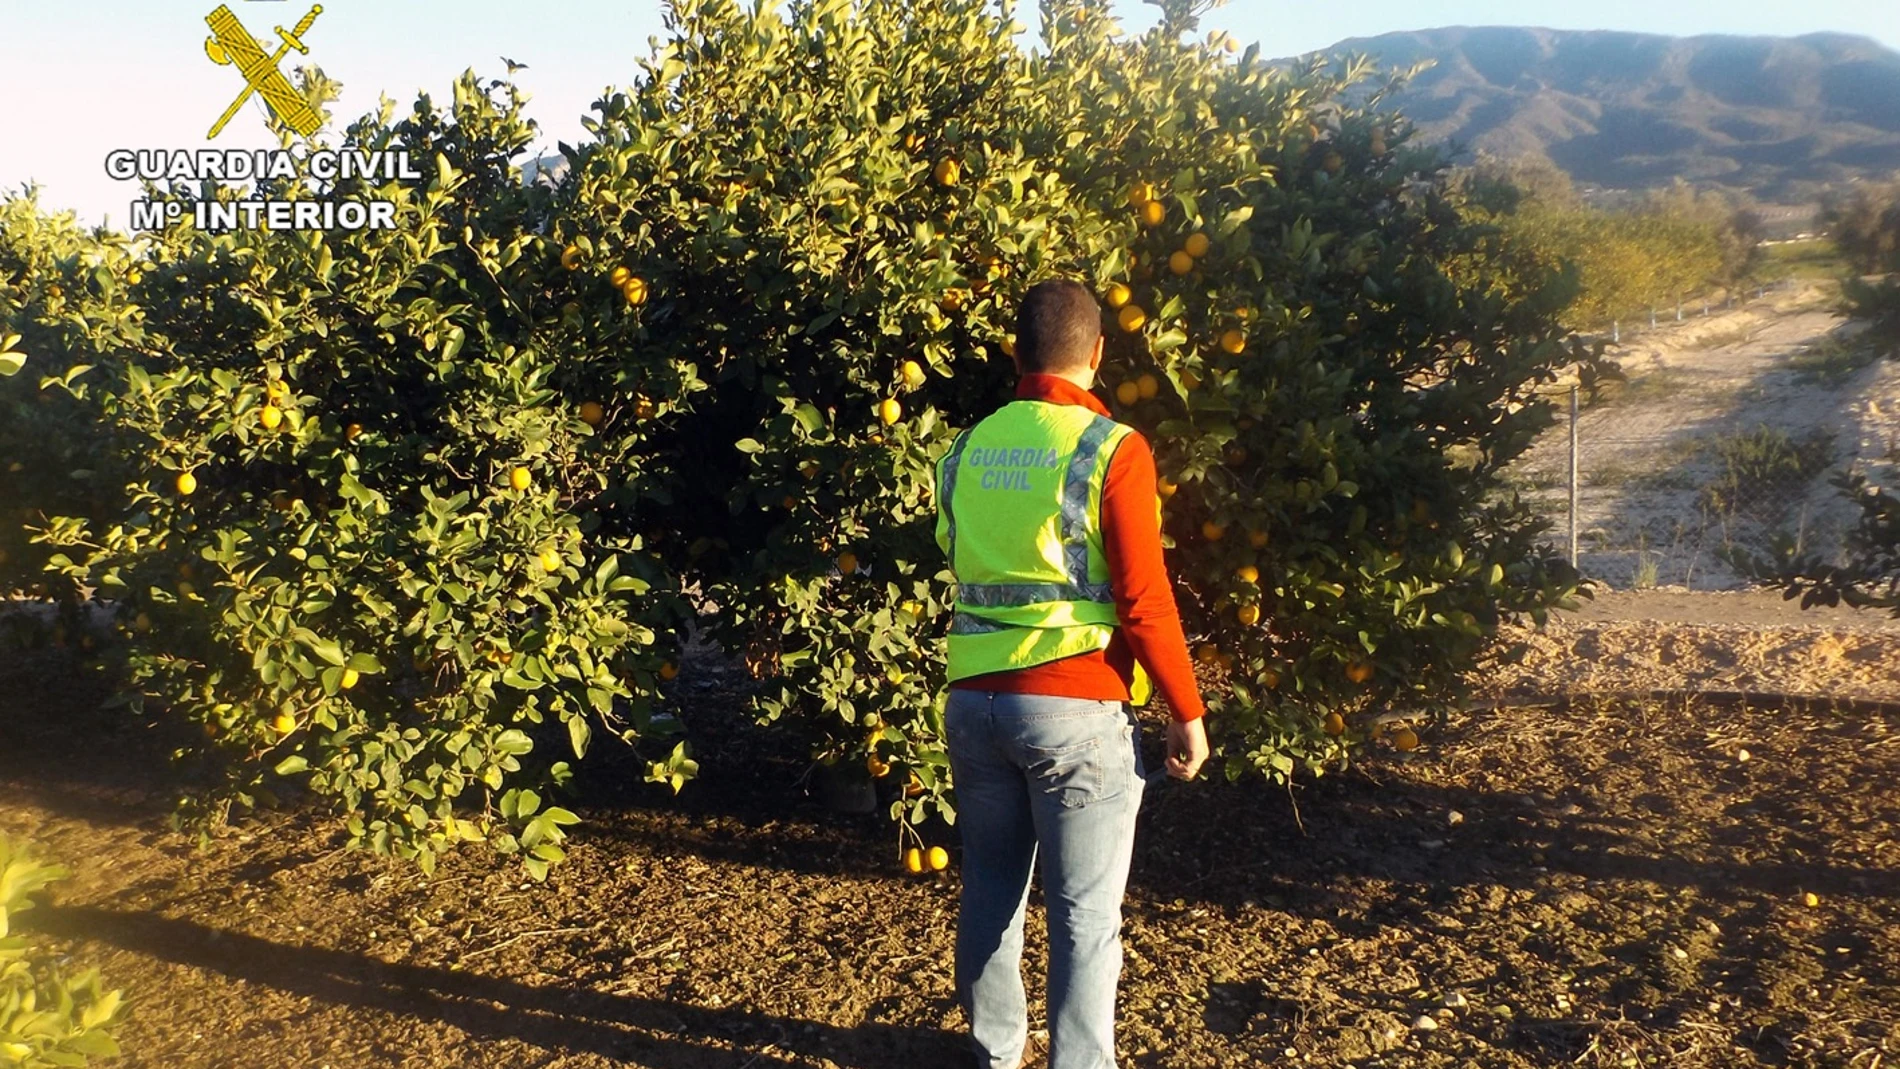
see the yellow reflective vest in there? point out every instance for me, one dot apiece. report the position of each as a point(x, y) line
point(1019, 500)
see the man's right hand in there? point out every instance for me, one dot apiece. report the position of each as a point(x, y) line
point(1187, 748)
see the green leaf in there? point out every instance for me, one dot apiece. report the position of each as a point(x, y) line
point(11, 363)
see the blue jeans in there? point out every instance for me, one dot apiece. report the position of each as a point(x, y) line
point(1060, 778)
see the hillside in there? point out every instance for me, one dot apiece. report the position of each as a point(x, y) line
point(1776, 116)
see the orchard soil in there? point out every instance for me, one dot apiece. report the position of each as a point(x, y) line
point(1589, 881)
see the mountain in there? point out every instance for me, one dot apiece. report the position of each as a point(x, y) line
point(1779, 117)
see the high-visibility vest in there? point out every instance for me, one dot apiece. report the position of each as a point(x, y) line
point(1019, 518)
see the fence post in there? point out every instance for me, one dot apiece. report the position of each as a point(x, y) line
point(1616, 332)
point(1573, 476)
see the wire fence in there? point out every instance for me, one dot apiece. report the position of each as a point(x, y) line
point(1717, 450)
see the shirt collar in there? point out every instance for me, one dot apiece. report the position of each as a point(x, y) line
point(1057, 390)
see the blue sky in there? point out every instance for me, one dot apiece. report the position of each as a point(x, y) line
point(84, 78)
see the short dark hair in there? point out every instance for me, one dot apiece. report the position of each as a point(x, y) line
point(1057, 327)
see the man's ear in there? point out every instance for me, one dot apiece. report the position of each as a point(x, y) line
point(1095, 358)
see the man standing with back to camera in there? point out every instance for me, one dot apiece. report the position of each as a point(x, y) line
point(1048, 513)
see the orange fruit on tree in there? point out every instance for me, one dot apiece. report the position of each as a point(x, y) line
point(635, 291)
point(939, 859)
point(1247, 573)
point(1212, 531)
point(1248, 615)
point(1196, 245)
point(1334, 725)
point(1180, 262)
point(913, 786)
point(571, 257)
point(914, 861)
point(271, 417)
point(1152, 213)
point(1227, 661)
point(1405, 739)
point(848, 562)
point(1270, 678)
point(913, 373)
point(350, 678)
point(1128, 393)
point(890, 411)
point(1189, 380)
point(1257, 539)
point(619, 276)
point(1009, 345)
point(1358, 671)
point(1131, 318)
point(186, 484)
point(592, 413)
point(1233, 342)
point(1166, 487)
point(947, 172)
point(1207, 653)
point(669, 671)
point(877, 766)
point(283, 723)
point(352, 432)
point(550, 559)
point(1149, 386)
point(520, 478)
point(1119, 294)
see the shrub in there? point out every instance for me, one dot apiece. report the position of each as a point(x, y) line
point(46, 1019)
point(1763, 469)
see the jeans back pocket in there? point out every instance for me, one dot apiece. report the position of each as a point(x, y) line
point(1070, 774)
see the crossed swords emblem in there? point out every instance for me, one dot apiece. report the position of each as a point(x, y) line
point(232, 44)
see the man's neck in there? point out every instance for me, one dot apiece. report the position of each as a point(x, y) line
point(1084, 379)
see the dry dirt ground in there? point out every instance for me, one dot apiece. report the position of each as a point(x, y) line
point(1646, 452)
point(1743, 642)
point(1598, 882)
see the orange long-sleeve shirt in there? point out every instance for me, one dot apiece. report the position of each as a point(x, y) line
point(1150, 630)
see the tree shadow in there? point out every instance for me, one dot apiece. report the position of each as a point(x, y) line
point(572, 1020)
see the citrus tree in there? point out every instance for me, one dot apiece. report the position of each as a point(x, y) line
point(406, 518)
point(375, 542)
point(62, 291)
point(1335, 365)
point(840, 205)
